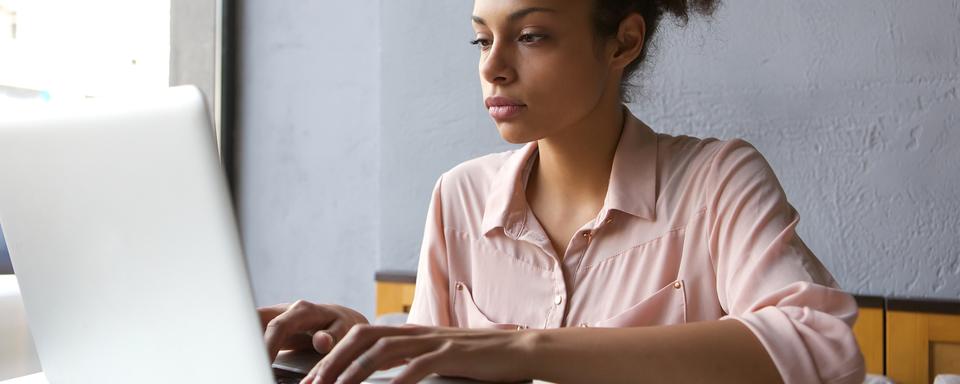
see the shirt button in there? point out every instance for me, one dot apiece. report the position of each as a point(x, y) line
point(677, 285)
point(557, 300)
point(584, 325)
point(459, 286)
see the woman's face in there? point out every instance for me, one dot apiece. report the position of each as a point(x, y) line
point(540, 68)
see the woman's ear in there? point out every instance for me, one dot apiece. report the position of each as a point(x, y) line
point(629, 41)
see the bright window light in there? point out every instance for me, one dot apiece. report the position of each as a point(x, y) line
point(63, 50)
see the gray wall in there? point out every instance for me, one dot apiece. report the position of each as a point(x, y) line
point(854, 103)
point(432, 115)
point(309, 143)
point(193, 45)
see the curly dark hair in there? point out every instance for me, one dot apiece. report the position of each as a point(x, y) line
point(608, 14)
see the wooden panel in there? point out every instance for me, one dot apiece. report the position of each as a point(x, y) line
point(946, 358)
point(907, 352)
point(394, 297)
point(944, 344)
point(869, 332)
point(914, 341)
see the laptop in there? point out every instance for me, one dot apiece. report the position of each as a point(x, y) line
point(119, 225)
point(121, 232)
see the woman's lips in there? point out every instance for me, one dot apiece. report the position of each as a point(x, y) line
point(504, 112)
point(502, 108)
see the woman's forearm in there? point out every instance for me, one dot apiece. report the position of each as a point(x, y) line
point(712, 351)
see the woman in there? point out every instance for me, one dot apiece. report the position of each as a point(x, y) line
point(600, 251)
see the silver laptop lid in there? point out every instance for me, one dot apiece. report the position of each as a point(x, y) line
point(123, 239)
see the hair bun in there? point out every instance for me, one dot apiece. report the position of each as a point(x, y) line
point(682, 9)
point(608, 14)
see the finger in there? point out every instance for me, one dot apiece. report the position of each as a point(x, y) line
point(311, 375)
point(324, 340)
point(385, 353)
point(360, 338)
point(291, 326)
point(420, 367)
point(269, 312)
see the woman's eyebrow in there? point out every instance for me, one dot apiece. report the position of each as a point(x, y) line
point(517, 15)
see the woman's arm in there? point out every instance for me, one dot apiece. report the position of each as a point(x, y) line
point(722, 351)
point(767, 278)
point(432, 295)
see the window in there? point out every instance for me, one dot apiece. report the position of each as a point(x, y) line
point(62, 50)
point(55, 51)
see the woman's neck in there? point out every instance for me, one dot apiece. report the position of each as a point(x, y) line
point(576, 162)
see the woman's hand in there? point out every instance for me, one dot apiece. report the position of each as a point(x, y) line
point(302, 325)
point(488, 355)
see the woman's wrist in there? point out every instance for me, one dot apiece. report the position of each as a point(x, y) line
point(528, 351)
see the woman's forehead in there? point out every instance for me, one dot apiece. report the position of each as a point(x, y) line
point(511, 10)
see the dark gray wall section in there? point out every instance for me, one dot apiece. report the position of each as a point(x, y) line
point(193, 45)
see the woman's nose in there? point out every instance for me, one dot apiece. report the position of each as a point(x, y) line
point(496, 67)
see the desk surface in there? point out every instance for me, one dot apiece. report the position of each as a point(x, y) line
point(36, 378)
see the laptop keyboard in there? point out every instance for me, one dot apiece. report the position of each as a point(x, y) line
point(287, 377)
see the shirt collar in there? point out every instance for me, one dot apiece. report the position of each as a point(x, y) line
point(632, 188)
point(506, 203)
point(633, 179)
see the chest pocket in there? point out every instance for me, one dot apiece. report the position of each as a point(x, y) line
point(468, 315)
point(666, 306)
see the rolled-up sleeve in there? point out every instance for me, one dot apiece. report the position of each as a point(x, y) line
point(769, 280)
point(431, 297)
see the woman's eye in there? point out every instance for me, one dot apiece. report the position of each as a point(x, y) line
point(531, 37)
point(482, 43)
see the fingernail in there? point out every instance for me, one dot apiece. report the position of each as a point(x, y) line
point(329, 337)
point(323, 344)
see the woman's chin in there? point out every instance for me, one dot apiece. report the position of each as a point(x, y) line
point(514, 133)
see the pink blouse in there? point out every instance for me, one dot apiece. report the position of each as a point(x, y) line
point(690, 230)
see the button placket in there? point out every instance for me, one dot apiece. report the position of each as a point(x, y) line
point(573, 264)
point(556, 313)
